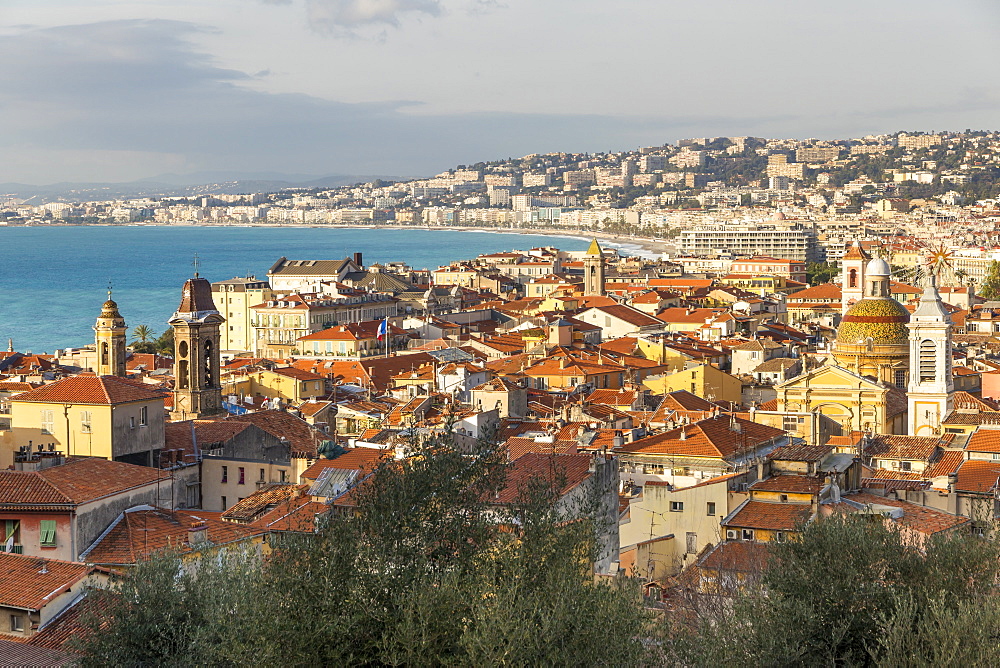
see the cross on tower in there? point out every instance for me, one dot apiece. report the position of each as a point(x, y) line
point(109, 289)
point(196, 263)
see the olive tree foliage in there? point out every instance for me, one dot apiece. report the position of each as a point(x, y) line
point(424, 570)
point(854, 591)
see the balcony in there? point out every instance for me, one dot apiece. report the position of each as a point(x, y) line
point(14, 549)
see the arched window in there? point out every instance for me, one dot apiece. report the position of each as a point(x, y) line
point(928, 361)
point(209, 379)
point(852, 279)
point(104, 353)
point(182, 374)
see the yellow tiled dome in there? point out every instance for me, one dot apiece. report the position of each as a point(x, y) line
point(883, 320)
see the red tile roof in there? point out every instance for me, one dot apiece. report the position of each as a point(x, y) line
point(20, 654)
point(796, 484)
point(984, 440)
point(303, 438)
point(31, 582)
point(919, 518)
point(361, 459)
point(568, 469)
point(769, 516)
point(738, 555)
point(138, 534)
point(947, 464)
point(977, 475)
point(630, 315)
point(712, 437)
point(800, 453)
point(298, 514)
point(906, 447)
point(261, 501)
point(76, 482)
point(107, 390)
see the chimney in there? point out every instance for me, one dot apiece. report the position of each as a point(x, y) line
point(357, 260)
point(197, 533)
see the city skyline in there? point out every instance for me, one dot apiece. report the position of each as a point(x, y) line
point(119, 91)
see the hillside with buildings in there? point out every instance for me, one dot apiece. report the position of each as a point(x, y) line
point(708, 404)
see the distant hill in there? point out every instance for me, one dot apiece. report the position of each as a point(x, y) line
point(191, 185)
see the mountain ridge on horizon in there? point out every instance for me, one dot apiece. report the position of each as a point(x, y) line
point(191, 184)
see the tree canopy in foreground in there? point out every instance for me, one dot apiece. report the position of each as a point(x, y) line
point(422, 573)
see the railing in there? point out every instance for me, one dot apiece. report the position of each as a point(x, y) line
point(14, 549)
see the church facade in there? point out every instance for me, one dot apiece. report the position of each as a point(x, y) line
point(889, 371)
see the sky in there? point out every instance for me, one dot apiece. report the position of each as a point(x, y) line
point(118, 90)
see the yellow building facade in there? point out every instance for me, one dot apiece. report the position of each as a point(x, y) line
point(705, 381)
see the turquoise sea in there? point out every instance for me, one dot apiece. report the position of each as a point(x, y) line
point(53, 280)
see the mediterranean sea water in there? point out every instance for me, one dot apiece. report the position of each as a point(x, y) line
point(53, 280)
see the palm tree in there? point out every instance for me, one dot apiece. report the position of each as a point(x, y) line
point(142, 334)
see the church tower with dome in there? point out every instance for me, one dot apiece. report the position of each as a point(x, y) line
point(873, 339)
point(931, 389)
point(852, 265)
point(109, 335)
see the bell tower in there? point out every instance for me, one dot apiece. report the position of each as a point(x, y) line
point(593, 270)
point(196, 325)
point(852, 276)
point(109, 335)
point(931, 391)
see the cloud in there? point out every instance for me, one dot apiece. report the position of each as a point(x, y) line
point(331, 14)
point(123, 100)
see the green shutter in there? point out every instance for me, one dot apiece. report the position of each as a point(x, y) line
point(48, 532)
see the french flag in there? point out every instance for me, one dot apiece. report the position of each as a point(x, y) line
point(383, 329)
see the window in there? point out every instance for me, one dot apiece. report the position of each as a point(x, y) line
point(676, 506)
point(691, 541)
point(85, 422)
point(225, 474)
point(748, 534)
point(904, 466)
point(852, 279)
point(223, 503)
point(47, 533)
point(711, 508)
point(143, 416)
point(928, 361)
point(783, 498)
point(131, 422)
point(281, 475)
point(899, 378)
point(262, 475)
point(11, 536)
point(243, 476)
point(779, 536)
point(48, 422)
point(17, 623)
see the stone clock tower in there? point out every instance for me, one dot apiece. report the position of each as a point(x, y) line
point(196, 325)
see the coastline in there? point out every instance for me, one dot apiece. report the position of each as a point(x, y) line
point(627, 245)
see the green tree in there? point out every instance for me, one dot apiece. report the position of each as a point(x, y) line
point(142, 334)
point(165, 343)
point(852, 591)
point(820, 272)
point(990, 287)
point(420, 573)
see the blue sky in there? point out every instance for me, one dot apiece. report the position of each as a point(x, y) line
point(114, 90)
